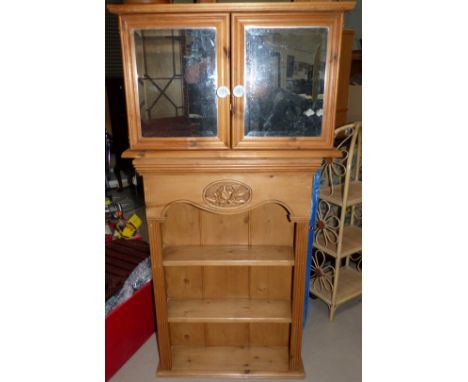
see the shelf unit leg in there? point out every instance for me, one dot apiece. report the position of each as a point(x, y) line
point(336, 279)
point(331, 312)
point(351, 223)
point(300, 265)
point(160, 300)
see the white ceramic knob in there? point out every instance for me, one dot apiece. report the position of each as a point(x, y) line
point(222, 92)
point(238, 91)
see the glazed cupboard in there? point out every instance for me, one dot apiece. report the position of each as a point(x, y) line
point(231, 108)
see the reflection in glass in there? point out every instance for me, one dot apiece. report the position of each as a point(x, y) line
point(177, 82)
point(284, 81)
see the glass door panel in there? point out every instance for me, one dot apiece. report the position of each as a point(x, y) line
point(284, 81)
point(177, 77)
point(174, 68)
point(285, 71)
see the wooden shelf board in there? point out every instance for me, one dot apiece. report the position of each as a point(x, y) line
point(240, 362)
point(229, 310)
point(354, 194)
point(232, 255)
point(352, 242)
point(349, 287)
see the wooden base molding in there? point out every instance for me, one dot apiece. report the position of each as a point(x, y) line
point(231, 362)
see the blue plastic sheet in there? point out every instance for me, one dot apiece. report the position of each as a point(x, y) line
point(313, 217)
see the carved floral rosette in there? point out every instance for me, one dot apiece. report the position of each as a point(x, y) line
point(227, 194)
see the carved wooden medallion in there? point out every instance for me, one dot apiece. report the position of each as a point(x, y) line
point(227, 194)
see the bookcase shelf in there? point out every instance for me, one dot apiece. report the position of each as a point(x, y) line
point(351, 243)
point(229, 310)
point(232, 361)
point(228, 255)
point(350, 286)
point(335, 196)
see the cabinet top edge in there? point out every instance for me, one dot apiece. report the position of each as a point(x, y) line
point(318, 6)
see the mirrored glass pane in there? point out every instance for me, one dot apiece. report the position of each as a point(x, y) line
point(177, 82)
point(284, 81)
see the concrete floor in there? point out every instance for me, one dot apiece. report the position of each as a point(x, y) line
point(331, 351)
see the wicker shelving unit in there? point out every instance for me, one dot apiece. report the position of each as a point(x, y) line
point(336, 262)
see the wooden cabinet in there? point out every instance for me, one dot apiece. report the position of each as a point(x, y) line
point(231, 109)
point(344, 77)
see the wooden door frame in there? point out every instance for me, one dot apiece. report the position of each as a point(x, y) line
point(128, 23)
point(331, 20)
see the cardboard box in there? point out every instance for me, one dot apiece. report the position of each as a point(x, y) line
point(355, 103)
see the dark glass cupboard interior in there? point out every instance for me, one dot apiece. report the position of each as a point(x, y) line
point(284, 81)
point(176, 71)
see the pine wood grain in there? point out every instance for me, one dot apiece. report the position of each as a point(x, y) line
point(269, 225)
point(228, 255)
point(225, 282)
point(269, 334)
point(225, 229)
point(182, 226)
point(318, 6)
point(271, 282)
point(229, 310)
point(184, 282)
point(292, 190)
point(187, 334)
point(160, 299)
point(286, 154)
point(300, 261)
point(343, 77)
point(242, 359)
point(232, 334)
